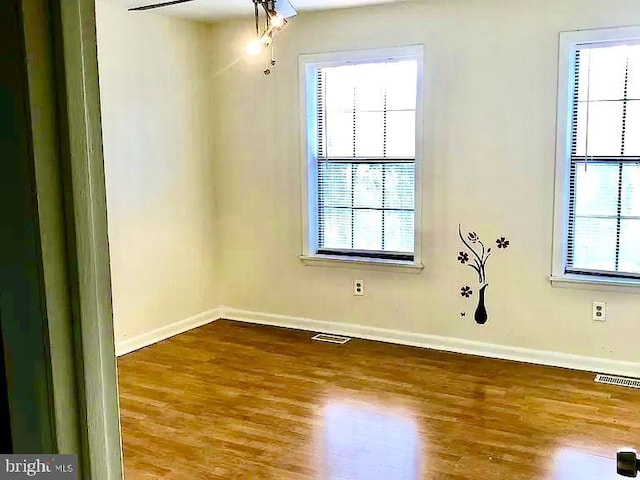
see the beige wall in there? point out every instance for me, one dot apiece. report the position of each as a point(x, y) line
point(490, 111)
point(155, 91)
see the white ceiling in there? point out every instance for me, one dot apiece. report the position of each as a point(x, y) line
point(217, 9)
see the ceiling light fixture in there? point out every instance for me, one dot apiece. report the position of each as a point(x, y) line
point(276, 13)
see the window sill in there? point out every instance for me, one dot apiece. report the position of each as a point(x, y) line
point(359, 262)
point(588, 282)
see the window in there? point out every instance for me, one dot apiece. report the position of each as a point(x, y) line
point(598, 196)
point(360, 125)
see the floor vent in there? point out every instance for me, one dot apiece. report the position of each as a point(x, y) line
point(622, 381)
point(323, 337)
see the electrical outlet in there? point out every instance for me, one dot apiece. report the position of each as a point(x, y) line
point(599, 311)
point(358, 288)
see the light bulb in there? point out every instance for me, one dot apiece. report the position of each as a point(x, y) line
point(278, 21)
point(254, 47)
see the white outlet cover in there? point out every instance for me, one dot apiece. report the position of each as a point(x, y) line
point(599, 311)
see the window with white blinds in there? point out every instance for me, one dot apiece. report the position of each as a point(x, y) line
point(365, 134)
point(603, 233)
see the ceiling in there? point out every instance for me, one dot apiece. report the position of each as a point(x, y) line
point(217, 9)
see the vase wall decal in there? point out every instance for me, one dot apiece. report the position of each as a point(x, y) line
point(474, 254)
point(481, 311)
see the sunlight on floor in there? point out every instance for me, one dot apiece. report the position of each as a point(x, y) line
point(363, 443)
point(574, 464)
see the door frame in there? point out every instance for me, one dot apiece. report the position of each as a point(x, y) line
point(87, 233)
point(62, 71)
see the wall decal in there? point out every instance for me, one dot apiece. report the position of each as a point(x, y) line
point(502, 242)
point(476, 256)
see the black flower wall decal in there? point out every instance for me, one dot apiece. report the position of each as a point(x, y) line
point(476, 256)
point(480, 255)
point(463, 257)
point(502, 242)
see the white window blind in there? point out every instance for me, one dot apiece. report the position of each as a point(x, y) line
point(366, 127)
point(604, 182)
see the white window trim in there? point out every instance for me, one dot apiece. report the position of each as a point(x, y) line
point(569, 41)
point(307, 65)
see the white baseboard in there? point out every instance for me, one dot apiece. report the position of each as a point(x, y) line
point(140, 341)
point(436, 342)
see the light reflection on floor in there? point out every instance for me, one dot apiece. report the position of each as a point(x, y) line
point(364, 443)
point(574, 464)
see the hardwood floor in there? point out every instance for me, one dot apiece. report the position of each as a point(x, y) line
point(237, 401)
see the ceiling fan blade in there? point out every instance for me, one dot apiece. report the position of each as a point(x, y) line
point(158, 5)
point(285, 9)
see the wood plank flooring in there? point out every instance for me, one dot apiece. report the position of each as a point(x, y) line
point(237, 401)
